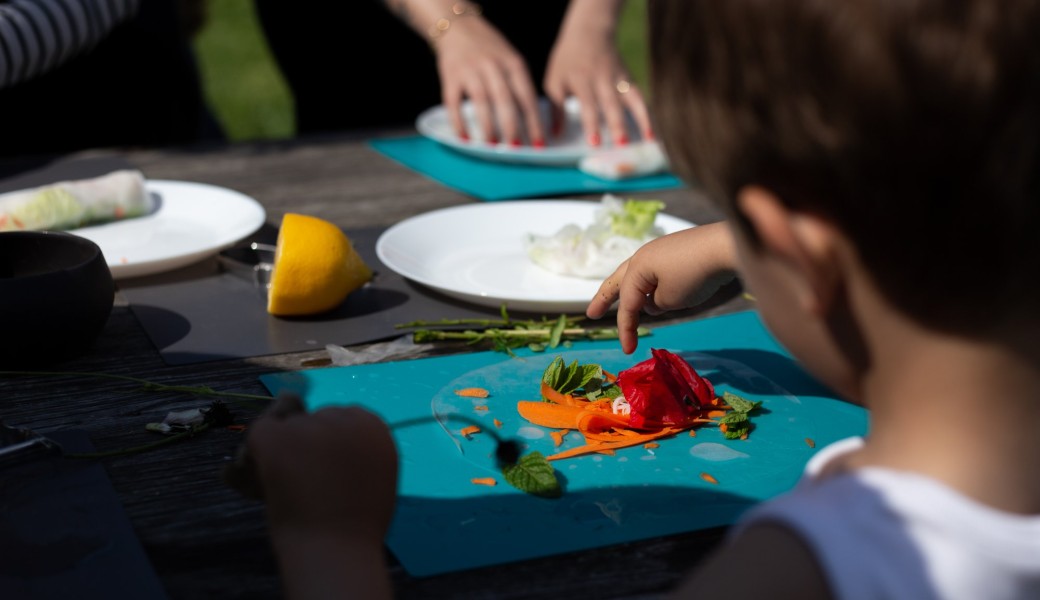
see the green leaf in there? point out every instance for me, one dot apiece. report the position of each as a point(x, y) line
point(612, 391)
point(536, 347)
point(733, 433)
point(533, 474)
point(551, 376)
point(734, 418)
point(739, 404)
point(557, 331)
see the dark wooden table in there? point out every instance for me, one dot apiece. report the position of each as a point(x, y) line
point(203, 538)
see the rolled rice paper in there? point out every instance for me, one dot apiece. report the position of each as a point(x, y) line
point(71, 204)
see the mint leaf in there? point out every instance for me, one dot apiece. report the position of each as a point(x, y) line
point(534, 475)
point(739, 404)
point(734, 418)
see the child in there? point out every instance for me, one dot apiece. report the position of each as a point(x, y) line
point(879, 164)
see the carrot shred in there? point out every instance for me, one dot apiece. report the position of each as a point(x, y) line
point(556, 397)
point(651, 445)
point(481, 407)
point(707, 477)
point(608, 452)
point(714, 414)
point(558, 435)
point(497, 423)
point(469, 430)
point(484, 481)
point(743, 436)
point(473, 392)
point(547, 414)
point(693, 433)
point(810, 442)
point(622, 443)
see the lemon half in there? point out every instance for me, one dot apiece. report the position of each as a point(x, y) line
point(315, 267)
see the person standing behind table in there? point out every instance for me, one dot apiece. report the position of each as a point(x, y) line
point(77, 74)
point(366, 65)
point(815, 126)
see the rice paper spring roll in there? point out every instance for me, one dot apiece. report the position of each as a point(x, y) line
point(71, 204)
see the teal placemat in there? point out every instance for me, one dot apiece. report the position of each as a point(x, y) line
point(445, 523)
point(502, 181)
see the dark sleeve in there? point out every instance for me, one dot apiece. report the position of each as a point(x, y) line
point(37, 36)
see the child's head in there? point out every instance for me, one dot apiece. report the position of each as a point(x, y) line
point(912, 125)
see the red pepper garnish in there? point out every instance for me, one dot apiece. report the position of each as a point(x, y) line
point(664, 390)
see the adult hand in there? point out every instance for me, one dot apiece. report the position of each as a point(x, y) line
point(585, 63)
point(677, 271)
point(477, 63)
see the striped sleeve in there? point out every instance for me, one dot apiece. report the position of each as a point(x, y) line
point(37, 36)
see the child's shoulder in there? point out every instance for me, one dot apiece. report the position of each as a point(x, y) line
point(882, 533)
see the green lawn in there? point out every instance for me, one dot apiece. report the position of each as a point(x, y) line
point(252, 101)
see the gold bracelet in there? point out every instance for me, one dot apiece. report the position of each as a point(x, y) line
point(441, 26)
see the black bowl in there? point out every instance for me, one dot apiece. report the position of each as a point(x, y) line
point(56, 294)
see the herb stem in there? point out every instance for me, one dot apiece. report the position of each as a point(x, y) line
point(142, 448)
point(148, 385)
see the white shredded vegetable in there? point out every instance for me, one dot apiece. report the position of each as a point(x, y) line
point(619, 229)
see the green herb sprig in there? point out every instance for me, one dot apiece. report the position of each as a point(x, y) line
point(737, 421)
point(506, 333)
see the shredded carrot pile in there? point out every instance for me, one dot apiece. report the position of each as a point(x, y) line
point(473, 392)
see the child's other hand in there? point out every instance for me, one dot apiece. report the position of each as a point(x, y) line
point(673, 272)
point(331, 473)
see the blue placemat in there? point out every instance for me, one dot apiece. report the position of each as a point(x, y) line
point(445, 523)
point(502, 181)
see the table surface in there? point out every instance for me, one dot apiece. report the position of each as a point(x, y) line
point(203, 538)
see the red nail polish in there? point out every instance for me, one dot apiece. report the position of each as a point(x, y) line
point(464, 136)
point(538, 144)
point(594, 139)
point(649, 135)
point(622, 140)
point(515, 143)
point(492, 140)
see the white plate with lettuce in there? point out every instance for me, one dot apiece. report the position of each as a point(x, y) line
point(545, 256)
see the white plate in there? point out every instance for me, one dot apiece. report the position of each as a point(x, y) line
point(192, 221)
point(476, 253)
point(567, 149)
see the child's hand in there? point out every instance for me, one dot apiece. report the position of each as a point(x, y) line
point(331, 473)
point(673, 272)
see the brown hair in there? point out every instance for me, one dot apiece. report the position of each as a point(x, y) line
point(911, 124)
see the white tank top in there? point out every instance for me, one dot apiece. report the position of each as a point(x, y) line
point(880, 533)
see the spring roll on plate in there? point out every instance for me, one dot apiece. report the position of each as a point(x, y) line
point(71, 204)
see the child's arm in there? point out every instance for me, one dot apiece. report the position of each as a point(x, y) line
point(764, 561)
point(329, 480)
point(673, 272)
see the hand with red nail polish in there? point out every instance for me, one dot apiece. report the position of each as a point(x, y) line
point(586, 64)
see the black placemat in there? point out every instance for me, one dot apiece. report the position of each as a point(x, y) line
point(64, 533)
point(210, 311)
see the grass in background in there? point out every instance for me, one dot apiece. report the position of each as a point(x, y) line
point(251, 99)
point(239, 75)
